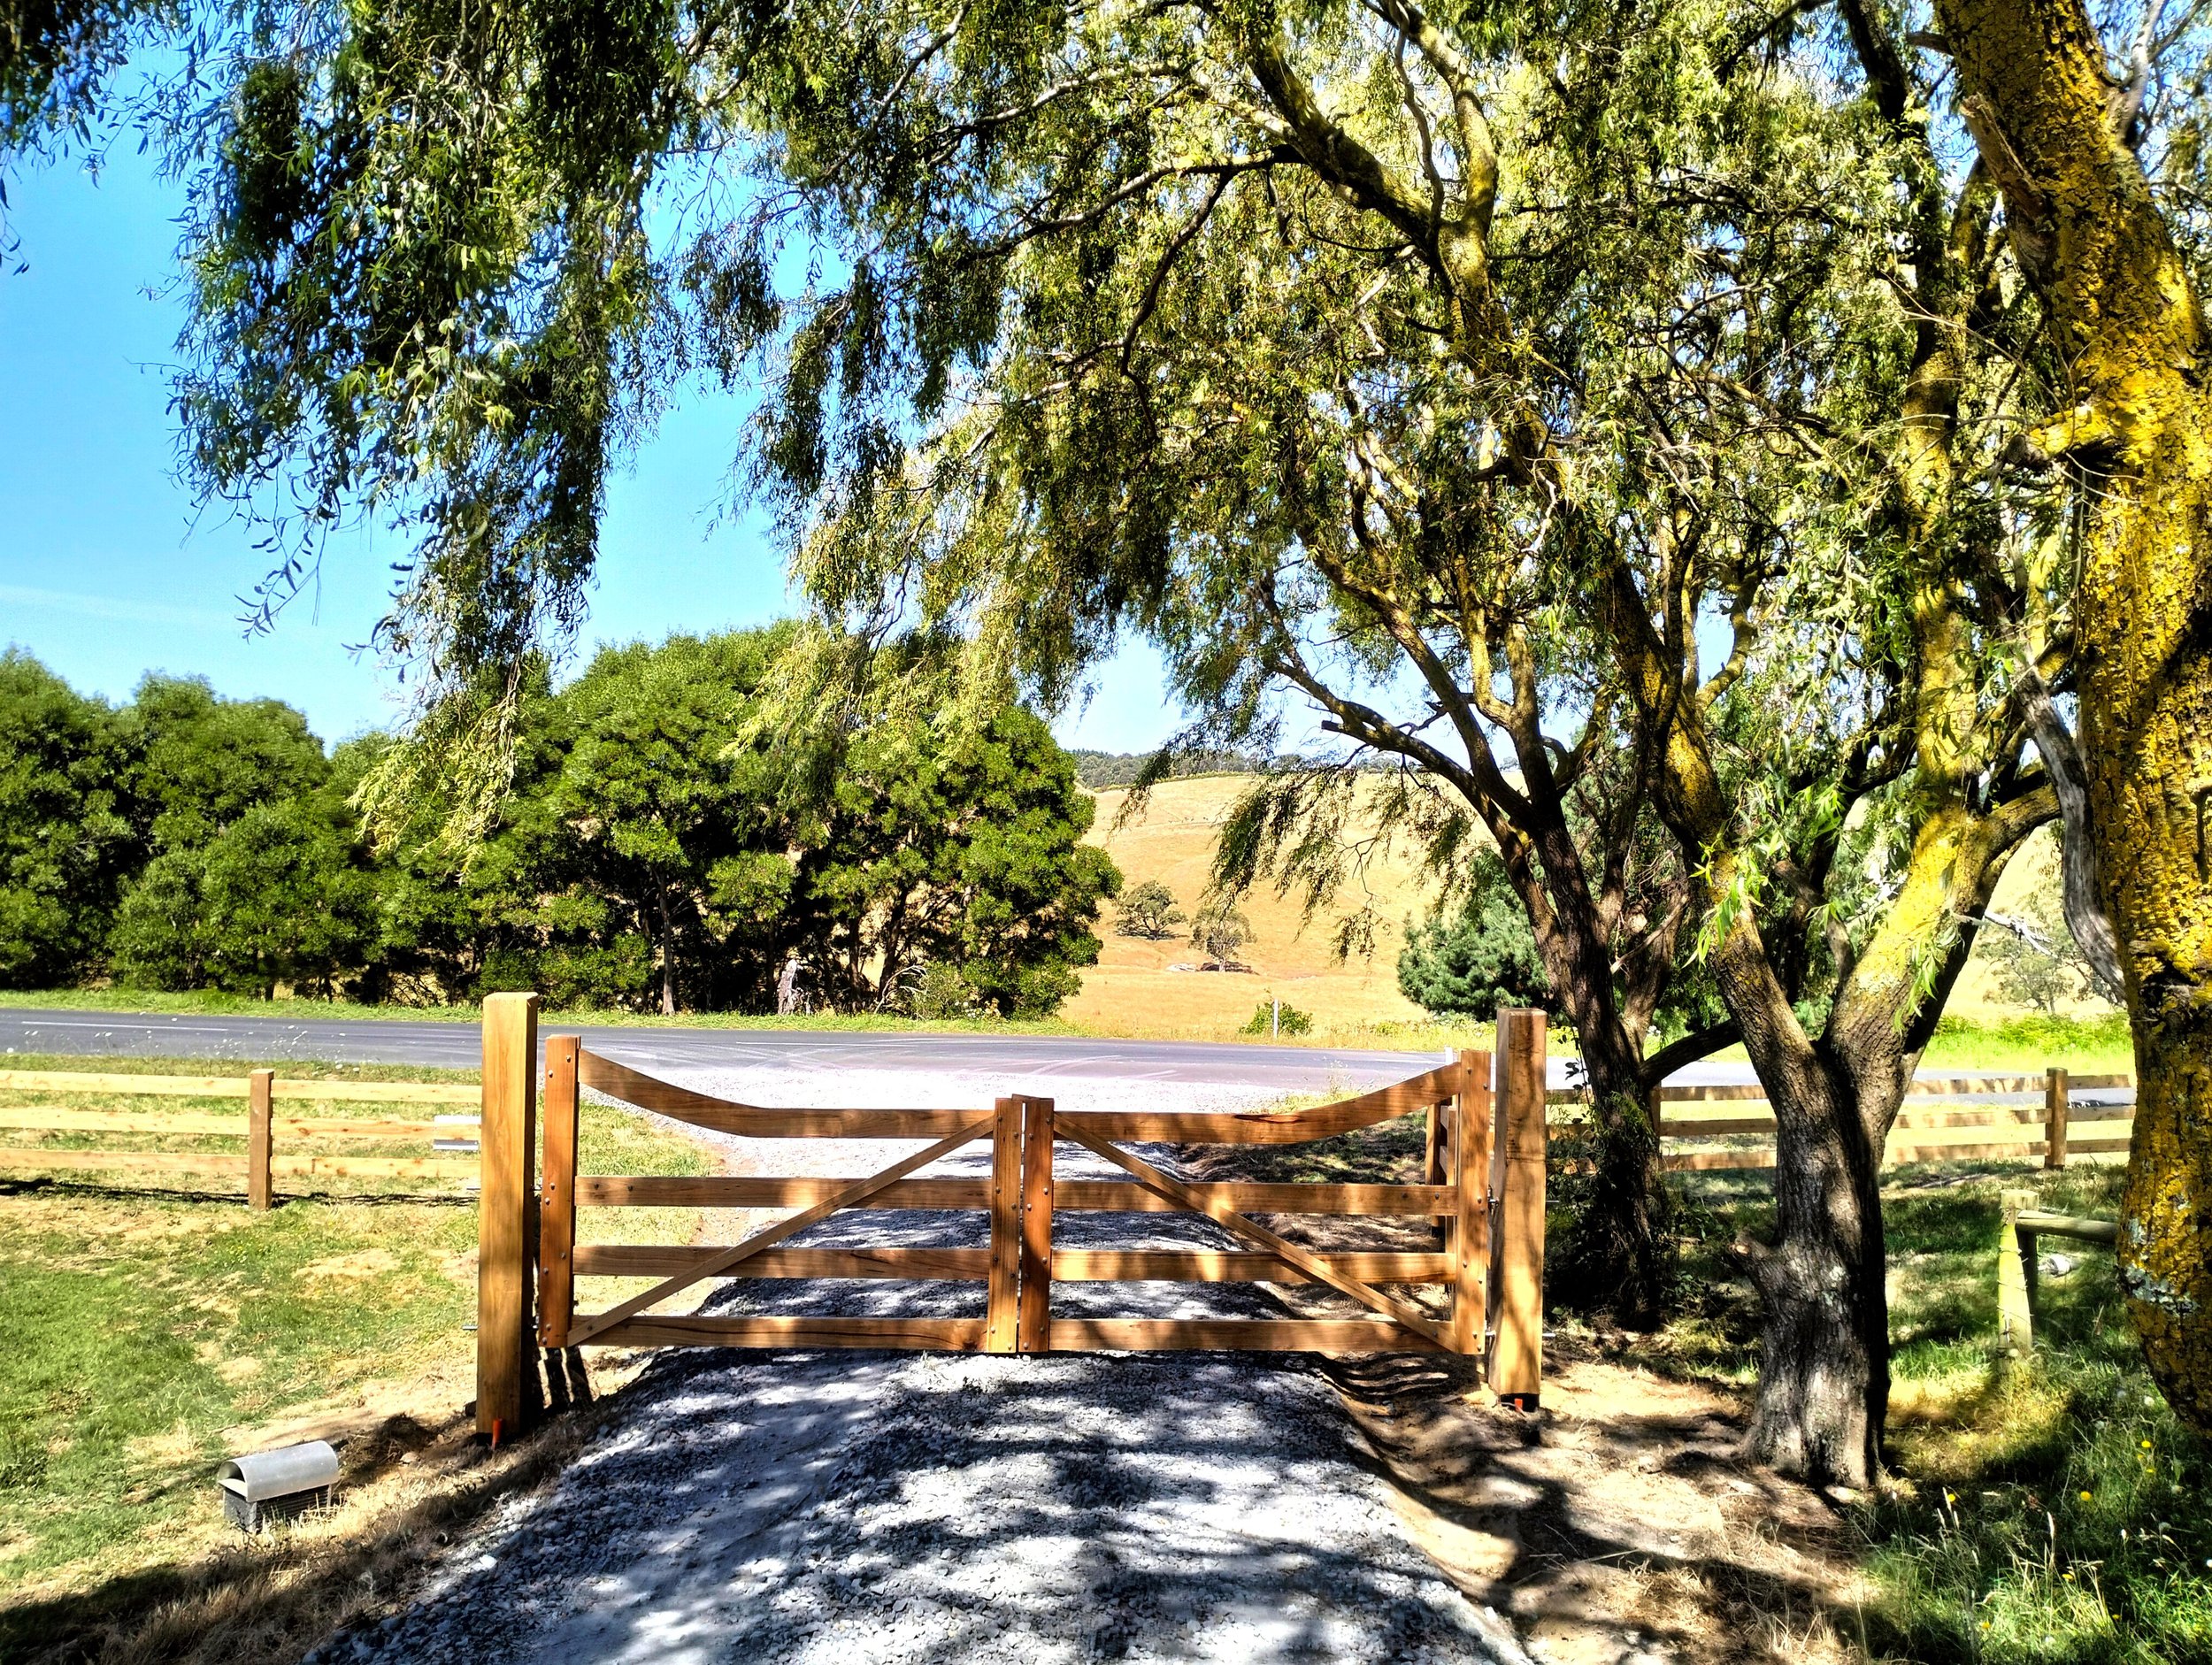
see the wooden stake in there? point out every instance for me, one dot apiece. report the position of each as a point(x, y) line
point(507, 1141)
point(1035, 1328)
point(2055, 1105)
point(2015, 1276)
point(1517, 1237)
point(1002, 1312)
point(259, 1196)
point(557, 1194)
point(1470, 1241)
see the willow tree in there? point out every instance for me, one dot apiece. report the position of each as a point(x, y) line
point(2058, 127)
point(1348, 344)
point(1462, 376)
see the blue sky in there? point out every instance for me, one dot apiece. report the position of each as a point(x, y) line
point(108, 569)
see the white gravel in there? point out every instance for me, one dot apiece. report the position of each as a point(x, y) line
point(855, 1508)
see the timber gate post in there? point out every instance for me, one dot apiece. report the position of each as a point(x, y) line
point(2056, 1097)
point(1003, 1312)
point(505, 1217)
point(1517, 1191)
point(1471, 1126)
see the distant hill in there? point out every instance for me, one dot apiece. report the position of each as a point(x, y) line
point(1099, 770)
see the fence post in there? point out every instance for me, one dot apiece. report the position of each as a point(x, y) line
point(2056, 1096)
point(507, 1142)
point(1001, 1319)
point(2015, 1276)
point(1035, 1326)
point(260, 1138)
point(1471, 1124)
point(557, 1194)
point(1517, 1188)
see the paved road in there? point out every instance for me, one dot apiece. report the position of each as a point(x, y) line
point(456, 1046)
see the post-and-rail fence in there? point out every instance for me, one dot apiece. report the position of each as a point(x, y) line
point(1482, 1184)
point(1960, 1115)
point(274, 1138)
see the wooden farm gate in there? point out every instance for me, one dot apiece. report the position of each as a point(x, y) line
point(1483, 1186)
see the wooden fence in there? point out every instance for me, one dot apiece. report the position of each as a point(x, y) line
point(1483, 1186)
point(2024, 1224)
point(259, 1123)
point(1967, 1116)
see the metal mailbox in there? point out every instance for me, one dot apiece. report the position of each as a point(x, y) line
point(267, 1485)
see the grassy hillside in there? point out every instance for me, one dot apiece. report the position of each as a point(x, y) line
point(1131, 991)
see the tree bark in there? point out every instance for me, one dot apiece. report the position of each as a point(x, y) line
point(2128, 326)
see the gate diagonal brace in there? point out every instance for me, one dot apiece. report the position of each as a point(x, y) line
point(1175, 1191)
point(859, 1190)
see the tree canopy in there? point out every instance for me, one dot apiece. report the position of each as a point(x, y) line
point(1657, 430)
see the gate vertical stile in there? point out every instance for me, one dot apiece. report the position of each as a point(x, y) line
point(1034, 1326)
point(1002, 1320)
point(557, 1194)
point(1517, 1188)
point(505, 1213)
point(1470, 1241)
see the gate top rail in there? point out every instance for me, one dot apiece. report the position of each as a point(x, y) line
point(1194, 1127)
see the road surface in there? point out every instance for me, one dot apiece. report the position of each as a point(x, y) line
point(456, 1046)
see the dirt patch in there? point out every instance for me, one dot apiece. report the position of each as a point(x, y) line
point(360, 1265)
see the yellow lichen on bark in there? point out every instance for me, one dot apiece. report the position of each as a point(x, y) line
point(2129, 326)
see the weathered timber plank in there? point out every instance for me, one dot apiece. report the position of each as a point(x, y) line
point(715, 1191)
point(904, 1335)
point(651, 1260)
point(1269, 1127)
point(196, 1124)
point(122, 1160)
point(1235, 1335)
point(2084, 1226)
point(754, 1121)
point(193, 1087)
point(380, 1092)
point(1241, 1266)
point(1473, 1127)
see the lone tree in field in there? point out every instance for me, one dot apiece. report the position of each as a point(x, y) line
point(1148, 911)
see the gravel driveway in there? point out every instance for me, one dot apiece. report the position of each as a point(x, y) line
point(855, 1508)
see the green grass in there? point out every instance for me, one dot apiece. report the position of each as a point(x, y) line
point(2083, 1044)
point(2043, 1512)
point(142, 1321)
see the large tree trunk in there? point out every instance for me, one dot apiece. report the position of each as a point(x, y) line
point(2130, 331)
point(1824, 1345)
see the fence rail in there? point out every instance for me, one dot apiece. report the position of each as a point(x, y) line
point(2023, 1226)
point(1964, 1116)
point(258, 1124)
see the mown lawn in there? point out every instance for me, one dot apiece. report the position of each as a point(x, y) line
point(146, 1330)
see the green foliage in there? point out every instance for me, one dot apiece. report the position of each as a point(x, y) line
point(1148, 911)
point(1483, 958)
point(66, 835)
point(1269, 1017)
point(934, 993)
